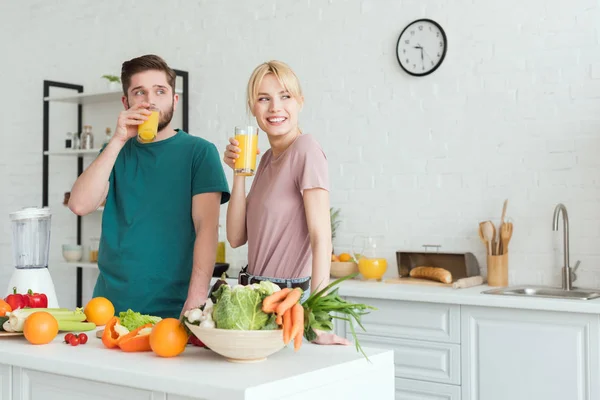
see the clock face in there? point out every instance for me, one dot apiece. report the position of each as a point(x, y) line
point(421, 47)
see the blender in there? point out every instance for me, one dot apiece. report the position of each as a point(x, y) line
point(31, 246)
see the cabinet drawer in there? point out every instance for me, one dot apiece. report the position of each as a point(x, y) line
point(408, 389)
point(426, 361)
point(412, 320)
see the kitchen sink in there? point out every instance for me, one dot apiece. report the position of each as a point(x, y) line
point(548, 292)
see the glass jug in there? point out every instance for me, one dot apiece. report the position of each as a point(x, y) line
point(31, 237)
point(368, 251)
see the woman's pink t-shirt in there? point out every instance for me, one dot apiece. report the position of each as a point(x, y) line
point(278, 238)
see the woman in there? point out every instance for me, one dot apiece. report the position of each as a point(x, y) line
point(285, 219)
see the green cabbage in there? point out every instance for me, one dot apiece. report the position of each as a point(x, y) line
point(132, 320)
point(240, 308)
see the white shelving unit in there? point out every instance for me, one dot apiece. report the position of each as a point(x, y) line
point(76, 153)
point(91, 98)
point(68, 264)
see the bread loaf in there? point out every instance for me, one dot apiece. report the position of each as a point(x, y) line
point(432, 273)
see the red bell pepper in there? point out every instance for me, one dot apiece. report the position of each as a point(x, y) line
point(195, 341)
point(16, 300)
point(110, 337)
point(132, 342)
point(37, 300)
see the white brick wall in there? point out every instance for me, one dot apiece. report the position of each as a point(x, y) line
point(512, 112)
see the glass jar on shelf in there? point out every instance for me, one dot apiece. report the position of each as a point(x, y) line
point(87, 138)
point(94, 246)
point(69, 141)
point(107, 135)
point(76, 145)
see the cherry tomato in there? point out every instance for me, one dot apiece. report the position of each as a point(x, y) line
point(82, 338)
point(74, 341)
point(68, 337)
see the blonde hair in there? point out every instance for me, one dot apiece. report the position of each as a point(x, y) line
point(284, 74)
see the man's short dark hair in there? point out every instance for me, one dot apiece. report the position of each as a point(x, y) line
point(145, 63)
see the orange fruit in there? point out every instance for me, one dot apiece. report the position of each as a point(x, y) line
point(40, 328)
point(168, 338)
point(334, 258)
point(99, 310)
point(345, 257)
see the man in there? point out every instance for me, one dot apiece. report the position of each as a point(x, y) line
point(160, 222)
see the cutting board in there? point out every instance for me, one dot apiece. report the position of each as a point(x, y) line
point(416, 281)
point(8, 334)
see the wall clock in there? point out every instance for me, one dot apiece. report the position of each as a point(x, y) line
point(421, 47)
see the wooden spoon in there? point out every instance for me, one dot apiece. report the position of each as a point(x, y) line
point(500, 228)
point(481, 235)
point(489, 232)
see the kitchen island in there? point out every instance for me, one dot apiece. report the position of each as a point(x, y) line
point(57, 371)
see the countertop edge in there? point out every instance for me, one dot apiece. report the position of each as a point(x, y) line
point(467, 296)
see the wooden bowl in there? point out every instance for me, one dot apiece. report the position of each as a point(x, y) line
point(240, 346)
point(339, 269)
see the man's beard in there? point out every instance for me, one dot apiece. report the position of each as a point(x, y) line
point(165, 119)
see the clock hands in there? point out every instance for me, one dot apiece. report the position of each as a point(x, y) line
point(418, 46)
point(426, 53)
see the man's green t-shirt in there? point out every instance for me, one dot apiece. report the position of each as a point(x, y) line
point(147, 242)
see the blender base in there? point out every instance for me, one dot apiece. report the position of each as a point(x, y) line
point(36, 279)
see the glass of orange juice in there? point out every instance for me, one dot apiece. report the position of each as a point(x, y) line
point(247, 137)
point(148, 129)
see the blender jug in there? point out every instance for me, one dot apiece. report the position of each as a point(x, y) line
point(31, 247)
point(31, 237)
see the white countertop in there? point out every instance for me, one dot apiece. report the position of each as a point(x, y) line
point(469, 296)
point(472, 296)
point(197, 372)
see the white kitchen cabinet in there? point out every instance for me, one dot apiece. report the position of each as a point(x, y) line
point(409, 389)
point(413, 359)
point(5, 387)
point(524, 354)
point(412, 320)
point(29, 384)
point(425, 338)
point(35, 385)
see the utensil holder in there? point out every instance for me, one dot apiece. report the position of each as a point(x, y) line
point(497, 270)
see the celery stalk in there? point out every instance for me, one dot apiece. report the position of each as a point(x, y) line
point(75, 326)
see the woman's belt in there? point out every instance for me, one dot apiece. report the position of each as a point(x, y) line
point(245, 278)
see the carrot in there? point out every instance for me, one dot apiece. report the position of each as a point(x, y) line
point(270, 308)
point(287, 326)
point(298, 340)
point(297, 325)
point(292, 298)
point(271, 302)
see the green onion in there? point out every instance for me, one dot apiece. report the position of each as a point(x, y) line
point(319, 306)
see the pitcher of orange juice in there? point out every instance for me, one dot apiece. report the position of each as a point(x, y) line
point(368, 252)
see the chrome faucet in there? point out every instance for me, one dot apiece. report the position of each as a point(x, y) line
point(568, 275)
